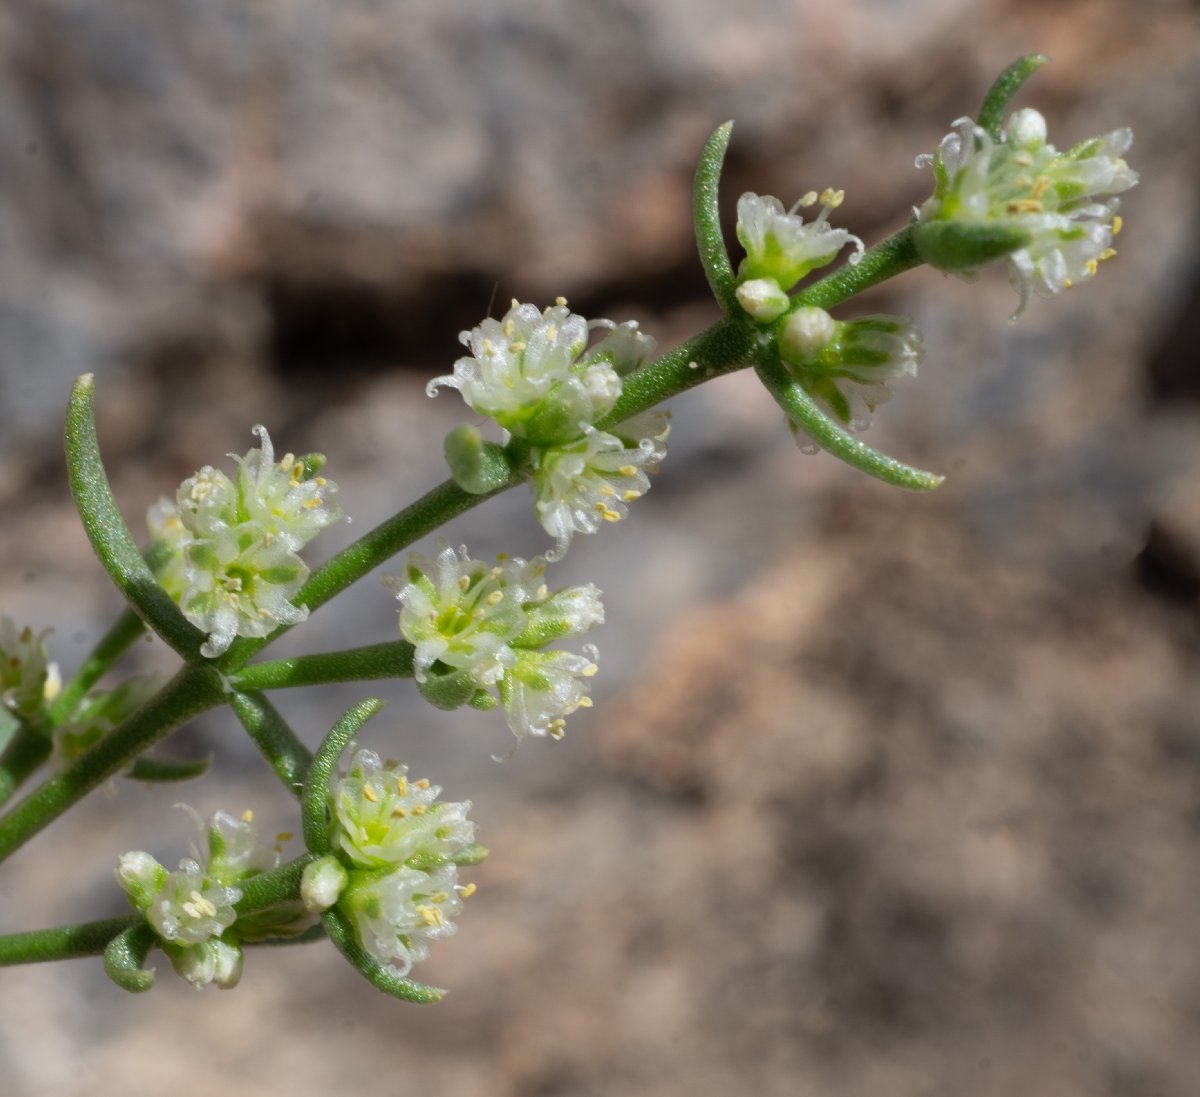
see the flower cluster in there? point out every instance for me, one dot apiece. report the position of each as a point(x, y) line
point(535, 375)
point(228, 547)
point(477, 627)
point(1060, 206)
point(846, 365)
point(28, 680)
point(394, 872)
point(192, 909)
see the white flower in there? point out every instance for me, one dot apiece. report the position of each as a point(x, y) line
point(398, 914)
point(532, 372)
point(847, 366)
point(483, 628)
point(763, 299)
point(463, 612)
point(780, 245)
point(322, 882)
point(284, 498)
point(382, 819)
point(545, 687)
point(191, 906)
point(1064, 203)
point(226, 549)
point(213, 962)
point(580, 485)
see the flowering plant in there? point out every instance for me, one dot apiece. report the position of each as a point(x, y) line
point(573, 403)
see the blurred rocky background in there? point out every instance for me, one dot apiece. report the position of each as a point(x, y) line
point(881, 794)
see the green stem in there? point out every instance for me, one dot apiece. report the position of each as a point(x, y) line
point(393, 659)
point(193, 690)
point(268, 889)
point(112, 645)
point(273, 736)
point(381, 976)
point(63, 942)
point(884, 260)
point(430, 512)
point(26, 750)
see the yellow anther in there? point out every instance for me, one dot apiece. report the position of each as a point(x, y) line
point(557, 729)
point(464, 582)
point(419, 809)
point(516, 303)
point(1040, 187)
point(832, 198)
point(198, 907)
point(284, 836)
point(560, 301)
point(431, 916)
point(1118, 223)
point(248, 816)
point(509, 328)
point(440, 897)
point(1024, 205)
point(488, 347)
point(467, 891)
point(370, 794)
point(627, 470)
point(1107, 254)
point(630, 495)
point(518, 346)
point(310, 503)
point(1090, 266)
point(422, 783)
point(590, 670)
point(807, 200)
point(402, 784)
point(608, 491)
point(542, 592)
point(400, 813)
point(495, 597)
point(585, 702)
point(552, 333)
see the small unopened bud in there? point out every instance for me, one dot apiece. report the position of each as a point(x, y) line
point(807, 331)
point(763, 299)
point(322, 883)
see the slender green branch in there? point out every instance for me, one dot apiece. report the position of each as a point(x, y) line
point(725, 347)
point(706, 217)
point(193, 690)
point(313, 811)
point(268, 889)
point(26, 750)
point(111, 646)
point(109, 535)
point(393, 659)
point(63, 942)
point(884, 260)
point(279, 744)
point(801, 407)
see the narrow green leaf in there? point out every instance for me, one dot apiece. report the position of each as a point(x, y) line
point(315, 797)
point(706, 216)
point(381, 976)
point(106, 529)
point(168, 769)
point(1000, 94)
point(125, 958)
point(835, 439)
